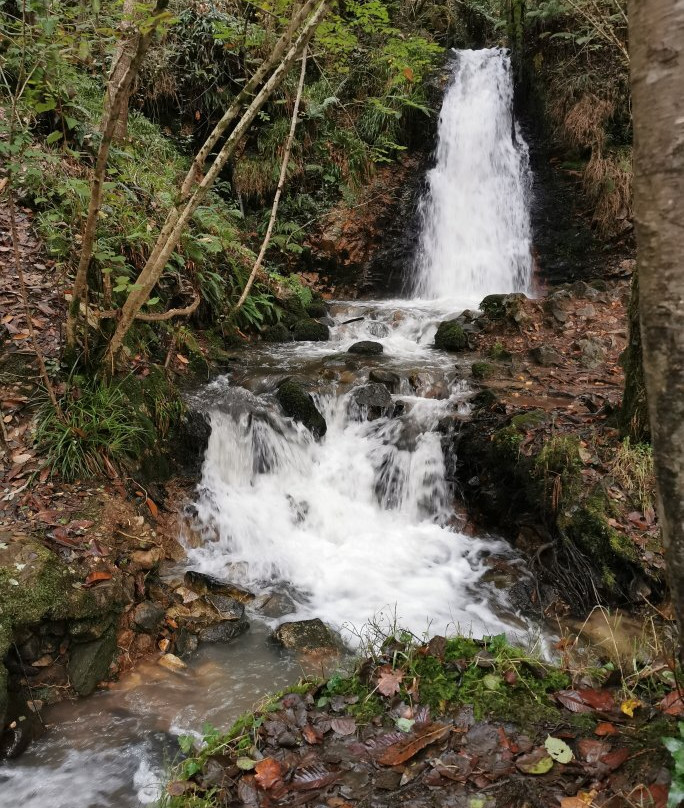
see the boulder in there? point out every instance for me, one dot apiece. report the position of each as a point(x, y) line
point(201, 583)
point(148, 617)
point(147, 559)
point(545, 355)
point(299, 405)
point(366, 348)
point(89, 663)
point(450, 336)
point(276, 605)
point(391, 380)
point(503, 306)
point(310, 330)
point(306, 635)
point(317, 309)
point(593, 353)
point(372, 400)
point(225, 631)
point(277, 333)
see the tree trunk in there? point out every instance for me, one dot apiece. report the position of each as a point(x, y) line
point(657, 59)
point(634, 410)
point(117, 95)
point(180, 215)
point(279, 190)
point(123, 56)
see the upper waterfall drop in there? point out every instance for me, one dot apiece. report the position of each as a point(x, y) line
point(476, 233)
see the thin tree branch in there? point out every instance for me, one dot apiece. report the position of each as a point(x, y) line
point(279, 190)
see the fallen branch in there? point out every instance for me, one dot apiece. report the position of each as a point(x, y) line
point(153, 317)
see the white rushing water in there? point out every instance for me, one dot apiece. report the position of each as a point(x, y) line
point(476, 234)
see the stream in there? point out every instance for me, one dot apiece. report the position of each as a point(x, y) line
point(356, 528)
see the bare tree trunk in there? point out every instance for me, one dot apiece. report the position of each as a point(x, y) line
point(180, 215)
point(123, 56)
point(118, 95)
point(657, 59)
point(279, 190)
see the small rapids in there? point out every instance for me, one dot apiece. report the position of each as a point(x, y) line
point(355, 527)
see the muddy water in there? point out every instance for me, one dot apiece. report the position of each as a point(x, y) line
point(112, 750)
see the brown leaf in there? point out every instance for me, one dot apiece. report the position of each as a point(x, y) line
point(406, 749)
point(268, 773)
point(177, 788)
point(154, 510)
point(605, 728)
point(615, 759)
point(311, 734)
point(313, 776)
point(598, 699)
point(343, 726)
point(571, 700)
point(591, 751)
point(389, 680)
point(538, 761)
point(672, 704)
point(96, 577)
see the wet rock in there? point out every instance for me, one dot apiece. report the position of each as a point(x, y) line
point(546, 356)
point(379, 330)
point(483, 370)
point(372, 399)
point(192, 439)
point(277, 605)
point(593, 353)
point(501, 306)
point(171, 662)
point(429, 385)
point(19, 735)
point(306, 635)
point(310, 331)
point(317, 309)
point(185, 643)
point(228, 608)
point(147, 559)
point(89, 629)
point(299, 405)
point(450, 336)
point(366, 348)
point(225, 631)
point(201, 583)
point(277, 333)
point(148, 617)
point(391, 380)
point(89, 663)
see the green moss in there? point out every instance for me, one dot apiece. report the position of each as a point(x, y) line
point(506, 443)
point(450, 336)
point(556, 473)
point(485, 398)
point(309, 330)
point(528, 420)
point(277, 333)
point(483, 370)
point(497, 351)
point(317, 308)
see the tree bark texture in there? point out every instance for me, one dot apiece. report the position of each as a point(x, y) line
point(123, 56)
point(657, 60)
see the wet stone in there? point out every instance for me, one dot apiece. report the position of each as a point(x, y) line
point(391, 380)
point(277, 605)
point(148, 617)
point(225, 631)
point(366, 348)
point(373, 398)
point(200, 583)
point(228, 608)
point(89, 662)
point(306, 635)
point(545, 355)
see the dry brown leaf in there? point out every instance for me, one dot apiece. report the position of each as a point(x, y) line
point(268, 773)
point(389, 680)
point(343, 726)
point(405, 750)
point(96, 577)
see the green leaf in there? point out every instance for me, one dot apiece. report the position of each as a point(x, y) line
point(152, 301)
point(186, 743)
point(53, 137)
point(46, 106)
point(558, 749)
point(405, 724)
point(491, 681)
point(245, 764)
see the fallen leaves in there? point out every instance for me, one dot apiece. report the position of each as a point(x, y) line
point(97, 577)
point(538, 761)
point(406, 749)
point(389, 680)
point(672, 704)
point(268, 773)
point(558, 750)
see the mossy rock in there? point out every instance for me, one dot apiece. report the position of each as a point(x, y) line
point(451, 337)
point(498, 352)
point(483, 370)
point(299, 405)
point(506, 443)
point(529, 420)
point(310, 331)
point(500, 307)
point(317, 308)
point(485, 398)
point(277, 333)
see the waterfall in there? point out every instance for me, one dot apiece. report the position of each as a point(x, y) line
point(475, 215)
